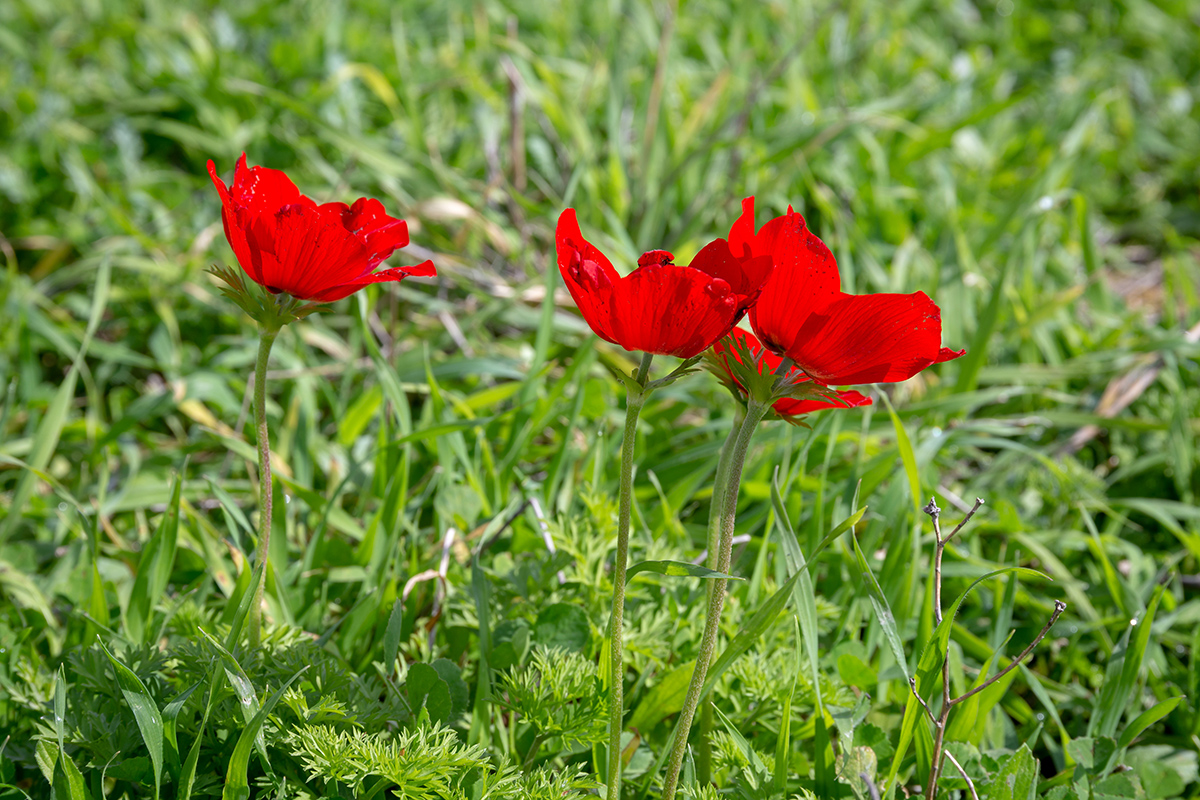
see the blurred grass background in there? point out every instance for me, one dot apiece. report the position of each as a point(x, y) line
point(1031, 165)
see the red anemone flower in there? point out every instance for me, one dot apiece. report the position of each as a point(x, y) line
point(836, 338)
point(787, 406)
point(660, 307)
point(286, 242)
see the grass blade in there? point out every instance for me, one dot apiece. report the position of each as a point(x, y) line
point(154, 569)
point(237, 786)
point(145, 712)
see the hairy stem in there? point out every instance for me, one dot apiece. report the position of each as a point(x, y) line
point(635, 399)
point(265, 341)
point(708, 644)
point(716, 507)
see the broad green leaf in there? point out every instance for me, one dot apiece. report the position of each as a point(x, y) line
point(68, 781)
point(663, 698)
point(1017, 778)
point(426, 690)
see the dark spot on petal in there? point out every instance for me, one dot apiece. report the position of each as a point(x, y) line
point(656, 257)
point(574, 265)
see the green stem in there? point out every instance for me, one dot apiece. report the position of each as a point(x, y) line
point(264, 479)
point(708, 644)
point(716, 506)
point(635, 399)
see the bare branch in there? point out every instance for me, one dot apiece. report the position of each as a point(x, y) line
point(912, 684)
point(965, 520)
point(872, 789)
point(963, 772)
point(1059, 608)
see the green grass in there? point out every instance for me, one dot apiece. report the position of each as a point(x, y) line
point(1032, 166)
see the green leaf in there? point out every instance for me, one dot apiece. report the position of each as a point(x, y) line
point(970, 717)
point(187, 774)
point(242, 687)
point(356, 418)
point(426, 690)
point(1113, 698)
point(237, 786)
point(663, 698)
point(391, 636)
point(806, 611)
point(170, 714)
point(145, 713)
point(460, 693)
point(1140, 723)
point(1017, 778)
point(562, 625)
point(60, 706)
point(856, 672)
point(676, 569)
point(1080, 751)
point(883, 611)
point(68, 781)
point(243, 596)
point(907, 457)
point(929, 668)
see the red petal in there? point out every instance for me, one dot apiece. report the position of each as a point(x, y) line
point(235, 231)
point(259, 189)
point(741, 235)
point(805, 277)
point(745, 276)
point(424, 270)
point(788, 407)
point(380, 233)
point(672, 310)
point(299, 251)
point(589, 276)
point(874, 338)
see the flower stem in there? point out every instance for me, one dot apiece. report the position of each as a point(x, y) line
point(708, 644)
point(635, 399)
point(265, 484)
point(716, 507)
